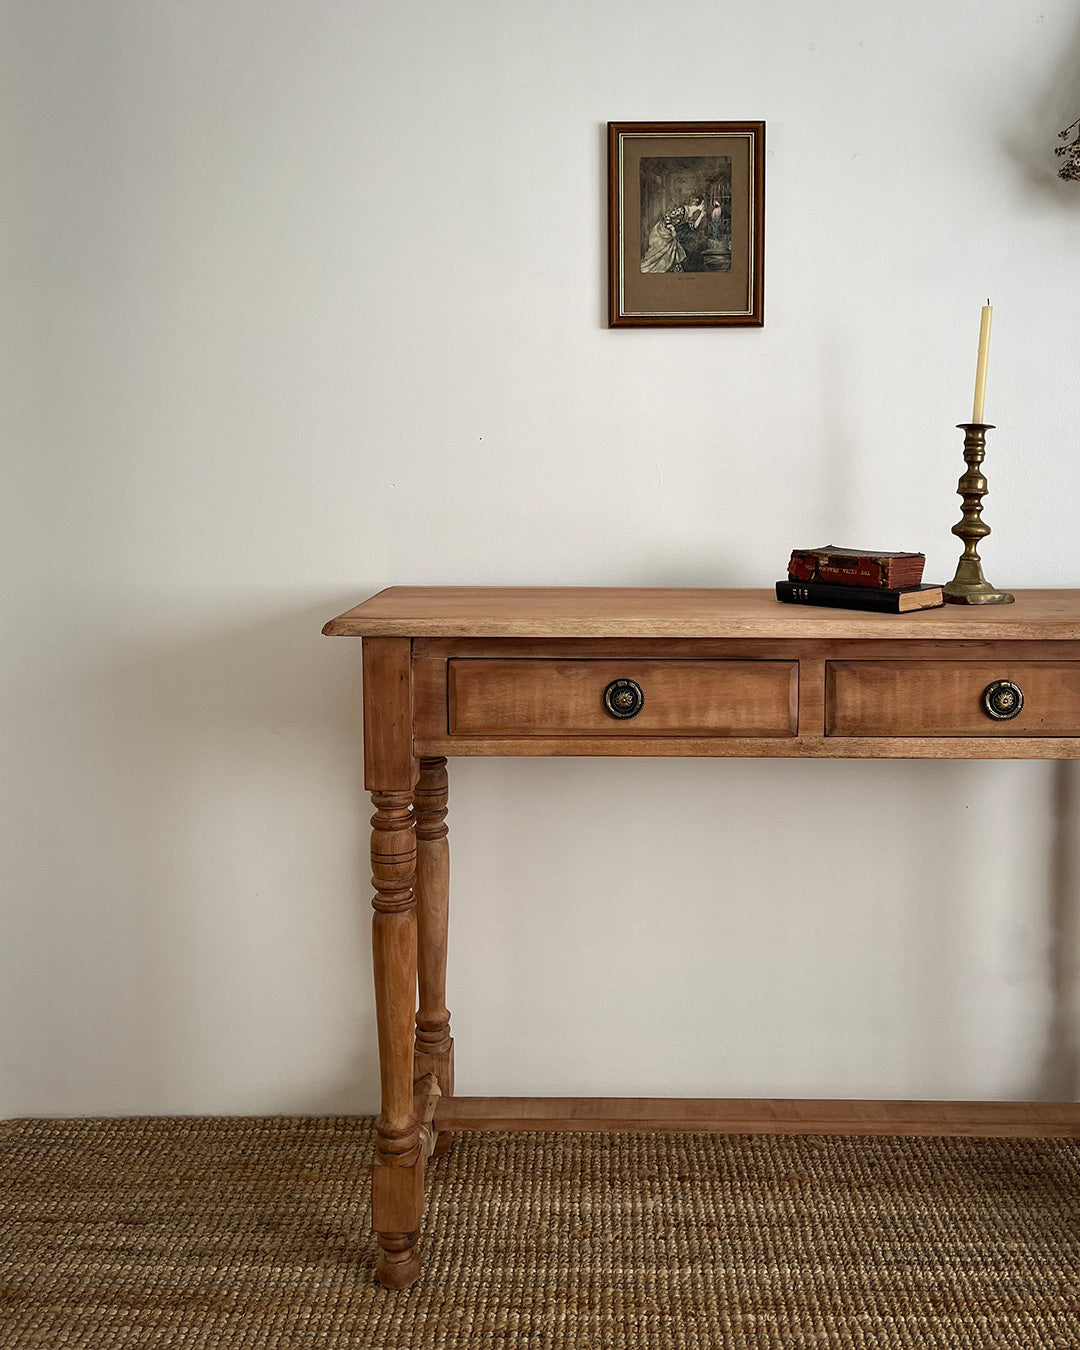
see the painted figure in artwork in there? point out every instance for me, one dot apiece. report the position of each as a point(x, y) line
point(673, 237)
point(664, 252)
point(716, 218)
point(695, 211)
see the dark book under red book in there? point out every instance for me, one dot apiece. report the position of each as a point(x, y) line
point(882, 599)
point(836, 566)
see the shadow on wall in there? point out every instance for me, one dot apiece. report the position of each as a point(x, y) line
point(215, 956)
point(236, 787)
point(1027, 949)
point(1053, 106)
point(1060, 1076)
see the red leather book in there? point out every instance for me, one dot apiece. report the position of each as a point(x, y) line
point(835, 566)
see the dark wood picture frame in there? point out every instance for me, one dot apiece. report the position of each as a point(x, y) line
point(686, 224)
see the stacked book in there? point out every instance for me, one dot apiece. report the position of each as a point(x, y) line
point(851, 578)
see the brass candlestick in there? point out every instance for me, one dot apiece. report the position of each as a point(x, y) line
point(969, 586)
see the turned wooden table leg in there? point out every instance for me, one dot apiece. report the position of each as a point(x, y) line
point(390, 771)
point(434, 1044)
point(397, 1181)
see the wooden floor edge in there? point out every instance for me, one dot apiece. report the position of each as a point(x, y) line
point(762, 1116)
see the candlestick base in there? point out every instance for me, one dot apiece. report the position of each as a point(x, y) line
point(955, 596)
point(969, 586)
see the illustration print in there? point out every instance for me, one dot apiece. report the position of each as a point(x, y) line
point(686, 214)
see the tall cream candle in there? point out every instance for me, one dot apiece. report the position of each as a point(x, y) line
point(980, 368)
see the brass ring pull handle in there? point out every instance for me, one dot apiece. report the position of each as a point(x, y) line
point(1002, 700)
point(623, 699)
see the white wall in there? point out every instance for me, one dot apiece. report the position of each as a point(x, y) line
point(302, 300)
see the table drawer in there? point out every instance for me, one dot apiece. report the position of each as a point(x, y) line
point(511, 698)
point(946, 698)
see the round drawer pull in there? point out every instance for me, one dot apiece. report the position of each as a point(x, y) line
point(623, 699)
point(1002, 700)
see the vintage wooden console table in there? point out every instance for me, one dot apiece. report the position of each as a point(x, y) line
point(524, 671)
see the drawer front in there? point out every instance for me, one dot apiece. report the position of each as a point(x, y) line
point(566, 698)
point(946, 698)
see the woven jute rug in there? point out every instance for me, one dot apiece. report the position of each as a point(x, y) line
point(254, 1233)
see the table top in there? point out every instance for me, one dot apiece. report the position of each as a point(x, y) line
point(628, 611)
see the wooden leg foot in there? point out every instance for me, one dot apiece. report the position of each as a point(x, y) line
point(397, 1203)
point(399, 1260)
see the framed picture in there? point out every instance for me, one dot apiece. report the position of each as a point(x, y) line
point(686, 224)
